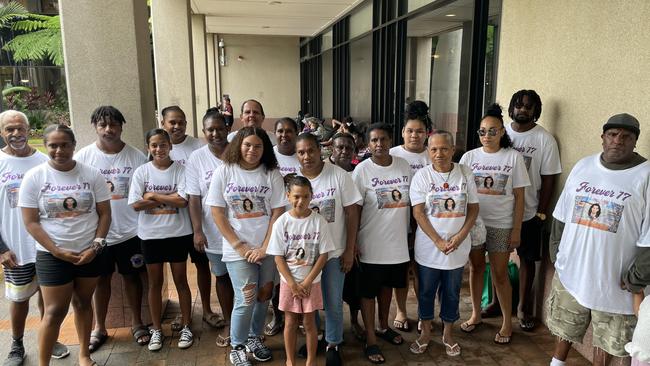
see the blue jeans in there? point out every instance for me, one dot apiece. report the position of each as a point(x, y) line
point(331, 283)
point(248, 314)
point(449, 282)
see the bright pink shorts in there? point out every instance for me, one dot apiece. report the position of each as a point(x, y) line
point(300, 305)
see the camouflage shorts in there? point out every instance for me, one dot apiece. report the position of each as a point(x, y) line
point(569, 320)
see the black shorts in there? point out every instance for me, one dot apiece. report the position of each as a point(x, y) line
point(530, 249)
point(172, 250)
point(196, 256)
point(126, 255)
point(52, 271)
point(351, 288)
point(372, 277)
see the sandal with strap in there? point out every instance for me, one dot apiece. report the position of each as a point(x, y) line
point(452, 350)
point(417, 348)
point(97, 339)
point(222, 341)
point(527, 325)
point(140, 333)
point(468, 327)
point(215, 321)
point(501, 339)
point(390, 336)
point(402, 325)
point(373, 350)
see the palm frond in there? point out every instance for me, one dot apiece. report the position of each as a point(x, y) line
point(11, 11)
point(37, 45)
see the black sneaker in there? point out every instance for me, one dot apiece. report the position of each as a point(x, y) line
point(333, 356)
point(16, 355)
point(259, 350)
point(322, 344)
point(238, 356)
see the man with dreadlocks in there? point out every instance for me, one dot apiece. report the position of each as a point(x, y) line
point(117, 161)
point(542, 159)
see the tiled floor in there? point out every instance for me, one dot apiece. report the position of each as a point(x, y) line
point(477, 349)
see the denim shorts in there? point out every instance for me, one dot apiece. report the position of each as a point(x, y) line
point(217, 266)
point(445, 283)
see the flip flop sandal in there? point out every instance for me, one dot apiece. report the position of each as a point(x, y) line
point(469, 328)
point(215, 321)
point(417, 348)
point(97, 339)
point(176, 323)
point(139, 333)
point(527, 325)
point(274, 327)
point(390, 336)
point(501, 339)
point(402, 325)
point(222, 341)
point(374, 350)
point(452, 350)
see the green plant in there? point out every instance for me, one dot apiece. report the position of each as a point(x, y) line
point(15, 89)
point(41, 39)
point(11, 11)
point(39, 118)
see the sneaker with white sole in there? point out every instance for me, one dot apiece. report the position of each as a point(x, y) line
point(156, 340)
point(60, 350)
point(16, 355)
point(186, 338)
point(259, 350)
point(238, 356)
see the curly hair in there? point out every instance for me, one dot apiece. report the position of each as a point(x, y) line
point(495, 111)
point(533, 97)
point(232, 155)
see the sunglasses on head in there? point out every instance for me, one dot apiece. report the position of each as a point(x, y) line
point(490, 132)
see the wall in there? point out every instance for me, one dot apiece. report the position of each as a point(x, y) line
point(588, 60)
point(269, 72)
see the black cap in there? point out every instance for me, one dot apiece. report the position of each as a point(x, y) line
point(625, 121)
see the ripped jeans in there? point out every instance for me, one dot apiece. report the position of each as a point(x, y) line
point(248, 314)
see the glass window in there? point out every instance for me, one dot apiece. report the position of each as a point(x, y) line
point(327, 85)
point(416, 4)
point(361, 20)
point(326, 41)
point(361, 79)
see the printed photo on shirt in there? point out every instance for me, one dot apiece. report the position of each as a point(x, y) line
point(327, 208)
point(119, 187)
point(448, 206)
point(599, 214)
point(527, 160)
point(493, 184)
point(392, 197)
point(60, 205)
point(12, 193)
point(162, 210)
point(246, 207)
point(302, 253)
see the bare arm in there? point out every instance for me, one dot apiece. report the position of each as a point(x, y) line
point(196, 216)
point(143, 205)
point(518, 216)
point(258, 254)
point(546, 192)
point(423, 221)
point(296, 289)
point(457, 239)
point(104, 212)
point(352, 218)
point(315, 270)
point(170, 199)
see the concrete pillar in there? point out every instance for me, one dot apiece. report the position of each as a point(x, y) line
point(172, 49)
point(213, 97)
point(201, 93)
point(108, 65)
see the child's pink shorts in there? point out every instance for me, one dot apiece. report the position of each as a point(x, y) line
point(300, 305)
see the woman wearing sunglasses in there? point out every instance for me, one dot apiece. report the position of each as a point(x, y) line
point(501, 176)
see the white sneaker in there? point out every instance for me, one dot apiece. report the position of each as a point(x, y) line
point(186, 338)
point(156, 340)
point(238, 356)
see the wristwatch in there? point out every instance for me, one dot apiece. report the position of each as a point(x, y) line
point(541, 216)
point(98, 245)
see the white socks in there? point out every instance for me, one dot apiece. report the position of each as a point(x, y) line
point(556, 362)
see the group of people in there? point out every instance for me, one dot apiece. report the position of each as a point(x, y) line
point(270, 219)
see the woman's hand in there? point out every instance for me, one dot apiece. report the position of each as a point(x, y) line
point(86, 256)
point(442, 245)
point(151, 196)
point(306, 286)
point(243, 249)
point(66, 255)
point(256, 255)
point(297, 290)
point(455, 242)
point(200, 242)
point(515, 239)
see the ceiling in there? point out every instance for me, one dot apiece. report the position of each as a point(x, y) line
point(440, 20)
point(265, 17)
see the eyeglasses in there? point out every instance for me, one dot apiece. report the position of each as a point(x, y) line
point(490, 132)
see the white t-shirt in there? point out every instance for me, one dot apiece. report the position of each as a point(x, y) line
point(12, 228)
point(181, 152)
point(66, 203)
point(117, 170)
point(386, 211)
point(198, 174)
point(248, 196)
point(300, 242)
point(541, 157)
point(446, 209)
point(274, 140)
point(606, 215)
point(639, 348)
point(496, 175)
point(286, 163)
point(164, 221)
point(417, 161)
point(333, 190)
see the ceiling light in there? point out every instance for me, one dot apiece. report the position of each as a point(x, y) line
point(274, 2)
point(265, 27)
point(450, 15)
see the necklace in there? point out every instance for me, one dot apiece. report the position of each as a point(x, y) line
point(445, 185)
